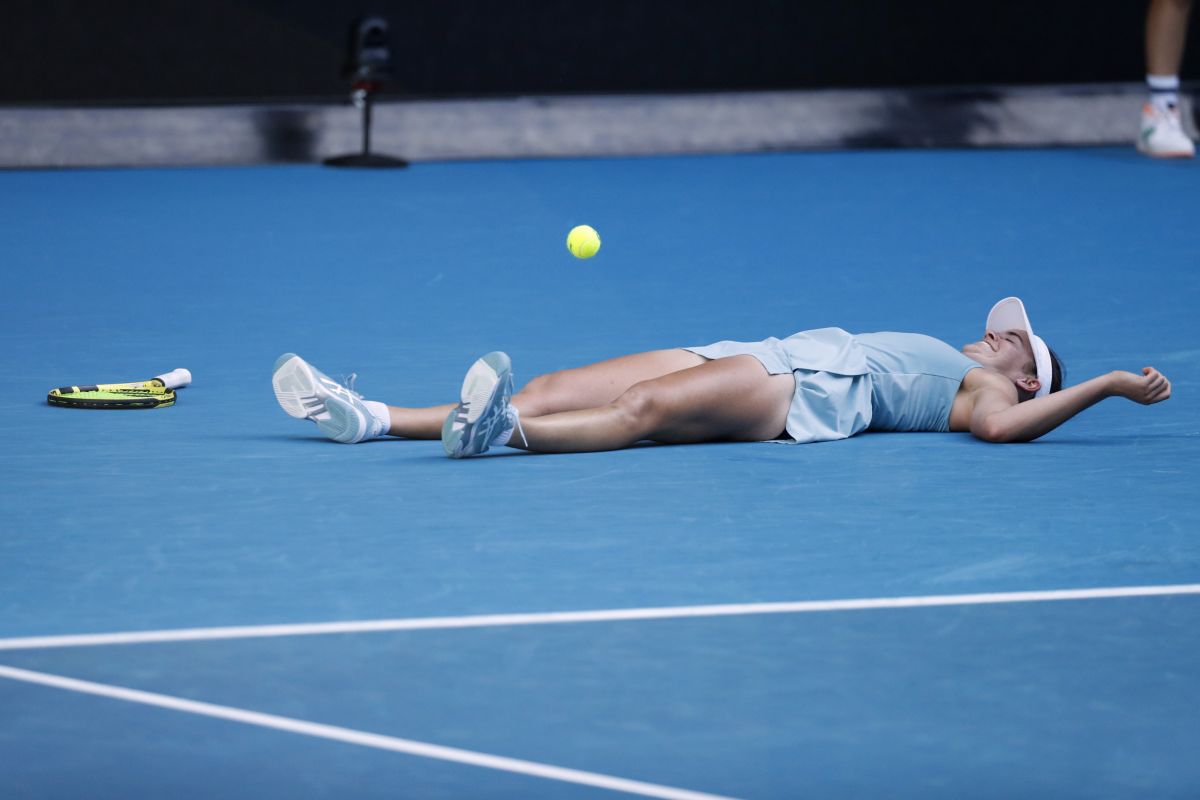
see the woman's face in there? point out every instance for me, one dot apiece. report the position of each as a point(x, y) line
point(1007, 352)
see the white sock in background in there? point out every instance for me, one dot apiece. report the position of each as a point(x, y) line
point(1164, 91)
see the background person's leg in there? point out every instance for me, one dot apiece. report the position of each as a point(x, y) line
point(1166, 34)
point(1163, 133)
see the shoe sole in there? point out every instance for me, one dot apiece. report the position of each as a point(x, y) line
point(301, 395)
point(1145, 150)
point(294, 387)
point(484, 380)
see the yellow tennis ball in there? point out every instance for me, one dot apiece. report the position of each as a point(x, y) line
point(583, 241)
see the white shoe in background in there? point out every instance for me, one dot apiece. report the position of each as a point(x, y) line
point(1162, 133)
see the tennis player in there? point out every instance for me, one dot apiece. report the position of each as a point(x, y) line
point(814, 386)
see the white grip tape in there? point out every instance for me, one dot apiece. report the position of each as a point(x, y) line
point(176, 378)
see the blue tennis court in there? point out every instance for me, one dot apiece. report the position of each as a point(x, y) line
point(212, 600)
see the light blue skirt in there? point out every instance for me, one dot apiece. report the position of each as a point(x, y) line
point(833, 383)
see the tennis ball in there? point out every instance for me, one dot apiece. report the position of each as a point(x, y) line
point(583, 241)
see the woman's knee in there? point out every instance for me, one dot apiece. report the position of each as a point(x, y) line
point(641, 406)
point(537, 396)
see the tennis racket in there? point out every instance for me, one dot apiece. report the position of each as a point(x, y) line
point(157, 392)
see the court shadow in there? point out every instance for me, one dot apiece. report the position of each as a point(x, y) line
point(1117, 439)
point(1117, 153)
point(286, 135)
point(928, 119)
point(301, 439)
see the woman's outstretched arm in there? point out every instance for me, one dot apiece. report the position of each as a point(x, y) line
point(997, 417)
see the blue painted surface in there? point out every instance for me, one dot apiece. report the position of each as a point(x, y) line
point(944, 702)
point(222, 511)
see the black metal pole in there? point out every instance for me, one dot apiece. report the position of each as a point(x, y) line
point(366, 125)
point(368, 64)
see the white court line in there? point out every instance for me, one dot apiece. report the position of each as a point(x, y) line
point(604, 615)
point(361, 738)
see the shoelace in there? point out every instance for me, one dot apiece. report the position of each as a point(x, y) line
point(348, 382)
point(516, 418)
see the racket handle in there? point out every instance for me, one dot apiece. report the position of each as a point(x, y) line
point(175, 378)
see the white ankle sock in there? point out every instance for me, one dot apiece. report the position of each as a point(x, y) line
point(380, 412)
point(1164, 90)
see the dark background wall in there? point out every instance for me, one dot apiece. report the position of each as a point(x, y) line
point(205, 51)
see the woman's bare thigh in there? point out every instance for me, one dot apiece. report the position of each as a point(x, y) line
point(732, 398)
point(599, 384)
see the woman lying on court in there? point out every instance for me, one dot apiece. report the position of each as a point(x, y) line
point(814, 386)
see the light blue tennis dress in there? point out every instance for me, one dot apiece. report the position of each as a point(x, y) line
point(847, 383)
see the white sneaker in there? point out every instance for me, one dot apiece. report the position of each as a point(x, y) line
point(1163, 135)
point(304, 392)
point(482, 414)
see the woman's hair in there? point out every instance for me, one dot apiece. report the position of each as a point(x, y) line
point(1058, 374)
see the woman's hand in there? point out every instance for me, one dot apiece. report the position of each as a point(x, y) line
point(1149, 387)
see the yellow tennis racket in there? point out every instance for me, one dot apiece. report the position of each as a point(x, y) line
point(157, 392)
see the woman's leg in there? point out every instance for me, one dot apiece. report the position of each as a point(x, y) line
point(730, 399)
point(568, 390)
point(418, 423)
point(598, 384)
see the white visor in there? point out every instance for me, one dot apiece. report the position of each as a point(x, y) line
point(1009, 315)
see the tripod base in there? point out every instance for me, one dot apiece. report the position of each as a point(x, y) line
point(371, 160)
